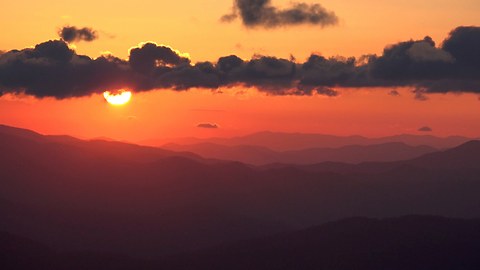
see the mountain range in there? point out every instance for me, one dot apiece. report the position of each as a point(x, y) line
point(282, 141)
point(258, 155)
point(147, 203)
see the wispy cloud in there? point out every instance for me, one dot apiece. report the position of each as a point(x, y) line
point(72, 34)
point(208, 125)
point(261, 13)
point(425, 129)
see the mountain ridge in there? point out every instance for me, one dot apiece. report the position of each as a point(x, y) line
point(284, 141)
point(122, 200)
point(258, 155)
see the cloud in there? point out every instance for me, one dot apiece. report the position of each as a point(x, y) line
point(394, 93)
point(326, 91)
point(419, 94)
point(463, 44)
point(72, 34)
point(52, 69)
point(425, 129)
point(411, 60)
point(425, 51)
point(149, 55)
point(208, 125)
point(261, 13)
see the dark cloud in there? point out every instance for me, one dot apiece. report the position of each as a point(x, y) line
point(326, 91)
point(425, 129)
point(72, 34)
point(207, 125)
point(52, 69)
point(150, 56)
point(184, 77)
point(394, 93)
point(320, 71)
point(420, 94)
point(411, 60)
point(452, 67)
point(261, 13)
point(464, 45)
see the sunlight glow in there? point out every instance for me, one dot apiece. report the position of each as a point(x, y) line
point(119, 97)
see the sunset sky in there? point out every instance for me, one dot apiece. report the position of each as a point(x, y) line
point(375, 108)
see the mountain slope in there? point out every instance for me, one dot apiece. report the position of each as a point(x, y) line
point(349, 154)
point(281, 141)
point(463, 158)
point(411, 242)
point(91, 196)
point(404, 243)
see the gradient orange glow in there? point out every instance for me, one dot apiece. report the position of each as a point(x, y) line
point(193, 27)
point(153, 117)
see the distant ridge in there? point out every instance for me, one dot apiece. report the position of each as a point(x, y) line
point(282, 141)
point(258, 155)
point(462, 157)
point(100, 146)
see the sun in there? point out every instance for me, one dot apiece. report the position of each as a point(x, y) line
point(119, 97)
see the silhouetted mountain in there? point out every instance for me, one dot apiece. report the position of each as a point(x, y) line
point(261, 156)
point(411, 242)
point(280, 141)
point(464, 157)
point(19, 253)
point(120, 198)
point(405, 243)
point(15, 138)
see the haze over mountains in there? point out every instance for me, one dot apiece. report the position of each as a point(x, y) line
point(280, 141)
point(296, 148)
point(258, 155)
point(107, 197)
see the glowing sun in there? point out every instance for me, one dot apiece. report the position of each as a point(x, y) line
point(119, 97)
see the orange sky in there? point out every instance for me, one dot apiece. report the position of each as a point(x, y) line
point(193, 27)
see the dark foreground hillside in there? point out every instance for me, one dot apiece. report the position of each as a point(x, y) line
point(114, 198)
point(406, 243)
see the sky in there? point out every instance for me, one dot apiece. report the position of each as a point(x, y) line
point(386, 105)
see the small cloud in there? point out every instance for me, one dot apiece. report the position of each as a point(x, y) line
point(425, 129)
point(394, 93)
point(228, 17)
point(262, 13)
point(420, 94)
point(72, 34)
point(326, 91)
point(208, 125)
